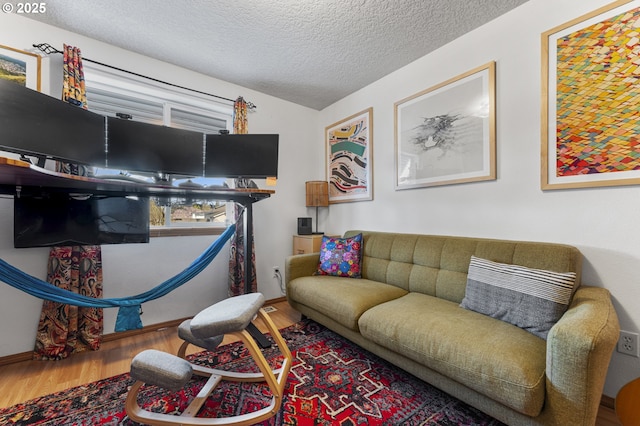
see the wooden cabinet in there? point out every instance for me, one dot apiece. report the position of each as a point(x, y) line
point(303, 244)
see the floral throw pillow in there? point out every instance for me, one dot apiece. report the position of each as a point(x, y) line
point(341, 257)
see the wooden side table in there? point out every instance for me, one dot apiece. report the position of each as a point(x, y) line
point(303, 244)
point(628, 403)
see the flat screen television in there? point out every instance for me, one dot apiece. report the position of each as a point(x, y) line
point(143, 147)
point(62, 220)
point(241, 156)
point(35, 124)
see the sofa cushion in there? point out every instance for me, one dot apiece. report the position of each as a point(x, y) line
point(490, 356)
point(341, 257)
point(341, 299)
point(532, 299)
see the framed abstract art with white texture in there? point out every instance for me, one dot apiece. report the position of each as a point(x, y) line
point(446, 134)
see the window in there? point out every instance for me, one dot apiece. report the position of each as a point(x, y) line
point(117, 93)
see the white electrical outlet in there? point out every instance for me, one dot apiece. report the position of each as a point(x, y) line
point(628, 343)
point(276, 272)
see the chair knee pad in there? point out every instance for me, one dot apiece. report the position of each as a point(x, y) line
point(161, 369)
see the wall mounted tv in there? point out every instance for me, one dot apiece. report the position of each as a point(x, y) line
point(35, 124)
point(142, 147)
point(253, 156)
point(60, 220)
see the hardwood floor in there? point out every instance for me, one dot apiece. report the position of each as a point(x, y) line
point(22, 381)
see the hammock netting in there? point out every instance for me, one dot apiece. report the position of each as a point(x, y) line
point(129, 307)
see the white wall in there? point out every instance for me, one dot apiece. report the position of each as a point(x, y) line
point(133, 268)
point(602, 223)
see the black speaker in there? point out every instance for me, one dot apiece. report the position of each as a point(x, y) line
point(304, 226)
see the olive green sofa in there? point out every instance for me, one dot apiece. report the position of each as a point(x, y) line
point(406, 309)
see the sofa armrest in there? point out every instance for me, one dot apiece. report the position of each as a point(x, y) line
point(300, 265)
point(579, 349)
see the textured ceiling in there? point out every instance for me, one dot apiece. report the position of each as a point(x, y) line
point(310, 52)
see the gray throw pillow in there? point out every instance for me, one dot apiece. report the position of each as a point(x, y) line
point(532, 299)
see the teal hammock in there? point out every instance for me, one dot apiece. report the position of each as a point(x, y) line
point(129, 307)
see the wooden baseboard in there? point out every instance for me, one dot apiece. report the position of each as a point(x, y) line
point(15, 358)
point(129, 333)
point(607, 401)
point(277, 300)
point(28, 356)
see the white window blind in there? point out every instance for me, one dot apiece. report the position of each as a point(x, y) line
point(108, 103)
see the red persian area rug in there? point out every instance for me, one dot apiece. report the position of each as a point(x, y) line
point(332, 382)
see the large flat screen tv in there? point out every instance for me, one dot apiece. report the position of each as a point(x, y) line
point(62, 220)
point(143, 147)
point(32, 123)
point(241, 156)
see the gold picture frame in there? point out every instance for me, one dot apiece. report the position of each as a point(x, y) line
point(21, 67)
point(349, 150)
point(446, 134)
point(590, 100)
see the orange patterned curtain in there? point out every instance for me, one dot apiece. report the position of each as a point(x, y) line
point(236, 259)
point(66, 329)
point(74, 93)
point(240, 119)
point(73, 88)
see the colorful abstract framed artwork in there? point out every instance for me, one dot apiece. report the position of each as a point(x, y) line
point(446, 134)
point(591, 100)
point(349, 144)
point(20, 67)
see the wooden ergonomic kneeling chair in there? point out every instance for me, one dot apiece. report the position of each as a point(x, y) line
point(230, 316)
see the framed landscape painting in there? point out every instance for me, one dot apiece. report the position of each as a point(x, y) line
point(591, 100)
point(349, 158)
point(446, 134)
point(20, 67)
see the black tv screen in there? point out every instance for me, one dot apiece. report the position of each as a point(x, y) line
point(241, 156)
point(143, 147)
point(62, 220)
point(32, 123)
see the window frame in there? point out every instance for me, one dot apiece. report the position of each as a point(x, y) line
point(106, 80)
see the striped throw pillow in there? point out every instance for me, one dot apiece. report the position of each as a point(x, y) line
point(532, 299)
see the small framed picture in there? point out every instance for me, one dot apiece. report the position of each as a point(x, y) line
point(446, 134)
point(20, 67)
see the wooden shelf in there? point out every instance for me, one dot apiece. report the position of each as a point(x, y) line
point(19, 177)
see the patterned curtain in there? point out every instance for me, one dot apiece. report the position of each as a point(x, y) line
point(236, 259)
point(66, 329)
